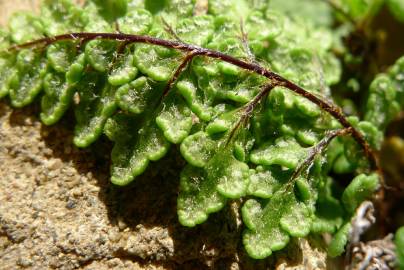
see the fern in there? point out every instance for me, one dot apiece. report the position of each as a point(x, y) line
point(399, 242)
point(203, 83)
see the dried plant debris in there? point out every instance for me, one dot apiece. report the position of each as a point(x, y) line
point(378, 254)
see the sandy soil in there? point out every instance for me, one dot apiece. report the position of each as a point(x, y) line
point(58, 209)
point(7, 7)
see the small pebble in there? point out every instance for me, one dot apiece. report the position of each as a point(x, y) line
point(55, 164)
point(71, 204)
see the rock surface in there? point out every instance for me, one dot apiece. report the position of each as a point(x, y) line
point(59, 210)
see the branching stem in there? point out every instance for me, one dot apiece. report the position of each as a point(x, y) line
point(248, 109)
point(318, 149)
point(244, 41)
point(185, 61)
point(275, 79)
point(168, 28)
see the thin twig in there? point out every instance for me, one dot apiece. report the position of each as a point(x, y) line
point(244, 41)
point(187, 59)
point(318, 149)
point(276, 79)
point(168, 28)
point(117, 27)
point(82, 42)
point(121, 47)
point(249, 109)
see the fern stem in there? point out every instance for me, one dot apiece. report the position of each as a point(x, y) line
point(276, 79)
point(319, 148)
point(249, 108)
point(184, 64)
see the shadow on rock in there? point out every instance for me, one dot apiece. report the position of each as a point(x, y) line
point(144, 212)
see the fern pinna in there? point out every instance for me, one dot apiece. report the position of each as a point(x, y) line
point(241, 87)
